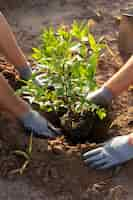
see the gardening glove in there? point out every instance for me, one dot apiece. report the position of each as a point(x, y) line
point(113, 153)
point(38, 125)
point(102, 97)
point(25, 72)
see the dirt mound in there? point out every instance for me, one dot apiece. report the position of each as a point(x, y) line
point(56, 171)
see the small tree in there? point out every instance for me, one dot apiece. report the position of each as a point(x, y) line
point(70, 56)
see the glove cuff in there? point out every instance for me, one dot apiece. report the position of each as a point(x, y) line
point(106, 94)
point(25, 72)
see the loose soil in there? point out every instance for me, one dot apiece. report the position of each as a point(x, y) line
point(56, 170)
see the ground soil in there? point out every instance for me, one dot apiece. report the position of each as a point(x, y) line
point(56, 170)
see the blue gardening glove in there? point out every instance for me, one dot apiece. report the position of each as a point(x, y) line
point(38, 125)
point(102, 97)
point(25, 72)
point(113, 153)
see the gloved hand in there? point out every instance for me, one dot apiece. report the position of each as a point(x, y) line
point(38, 125)
point(102, 97)
point(25, 72)
point(113, 153)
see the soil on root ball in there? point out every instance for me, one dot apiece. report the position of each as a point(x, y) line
point(87, 128)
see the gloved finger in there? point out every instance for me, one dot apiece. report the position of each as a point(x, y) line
point(98, 163)
point(106, 166)
point(49, 132)
point(44, 132)
point(91, 153)
point(54, 130)
point(42, 135)
point(94, 158)
point(91, 95)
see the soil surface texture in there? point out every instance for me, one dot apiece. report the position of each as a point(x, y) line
point(56, 170)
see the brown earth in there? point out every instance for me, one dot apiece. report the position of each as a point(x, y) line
point(57, 172)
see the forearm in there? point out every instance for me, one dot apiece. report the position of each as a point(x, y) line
point(122, 79)
point(9, 46)
point(9, 101)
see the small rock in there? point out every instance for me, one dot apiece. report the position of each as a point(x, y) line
point(57, 149)
point(117, 192)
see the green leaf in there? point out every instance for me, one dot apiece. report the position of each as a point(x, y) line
point(92, 42)
point(101, 113)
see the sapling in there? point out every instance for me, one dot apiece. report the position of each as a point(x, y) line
point(70, 56)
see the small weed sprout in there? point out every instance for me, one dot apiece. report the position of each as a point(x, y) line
point(24, 154)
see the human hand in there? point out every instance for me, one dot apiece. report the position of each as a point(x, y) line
point(113, 153)
point(102, 97)
point(38, 125)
